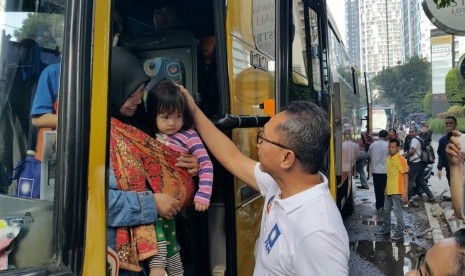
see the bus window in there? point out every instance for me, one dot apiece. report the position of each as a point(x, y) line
point(31, 35)
point(304, 48)
point(314, 50)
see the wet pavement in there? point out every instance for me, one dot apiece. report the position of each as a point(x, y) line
point(377, 255)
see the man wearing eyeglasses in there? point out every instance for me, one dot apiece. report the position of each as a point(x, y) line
point(451, 124)
point(447, 257)
point(302, 232)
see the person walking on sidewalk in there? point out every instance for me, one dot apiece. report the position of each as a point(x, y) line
point(396, 191)
point(451, 124)
point(416, 182)
point(377, 154)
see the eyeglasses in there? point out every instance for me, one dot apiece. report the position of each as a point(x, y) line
point(420, 262)
point(260, 140)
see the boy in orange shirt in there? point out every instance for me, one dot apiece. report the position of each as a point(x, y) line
point(396, 191)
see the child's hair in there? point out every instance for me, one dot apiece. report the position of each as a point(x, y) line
point(394, 140)
point(165, 97)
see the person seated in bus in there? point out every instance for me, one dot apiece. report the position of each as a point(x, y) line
point(291, 149)
point(167, 110)
point(136, 160)
point(166, 16)
point(118, 27)
point(44, 112)
point(447, 257)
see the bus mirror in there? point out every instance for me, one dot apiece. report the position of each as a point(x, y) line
point(269, 107)
point(461, 69)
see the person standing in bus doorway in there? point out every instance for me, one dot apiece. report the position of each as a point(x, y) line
point(167, 110)
point(396, 191)
point(131, 209)
point(377, 154)
point(291, 149)
point(451, 124)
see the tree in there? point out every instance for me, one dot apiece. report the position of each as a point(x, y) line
point(45, 29)
point(405, 85)
point(455, 88)
point(443, 3)
point(427, 102)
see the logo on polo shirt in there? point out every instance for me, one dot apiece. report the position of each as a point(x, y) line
point(272, 237)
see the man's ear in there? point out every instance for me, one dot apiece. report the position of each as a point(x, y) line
point(288, 159)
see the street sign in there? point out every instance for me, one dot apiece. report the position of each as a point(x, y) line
point(447, 17)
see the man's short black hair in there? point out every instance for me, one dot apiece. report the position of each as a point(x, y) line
point(394, 140)
point(383, 134)
point(452, 118)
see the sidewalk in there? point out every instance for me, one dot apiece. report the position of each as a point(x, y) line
point(443, 208)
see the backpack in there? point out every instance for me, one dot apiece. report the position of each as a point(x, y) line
point(27, 173)
point(427, 155)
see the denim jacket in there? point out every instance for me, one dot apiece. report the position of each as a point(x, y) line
point(126, 208)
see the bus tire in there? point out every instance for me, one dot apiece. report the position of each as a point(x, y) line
point(348, 208)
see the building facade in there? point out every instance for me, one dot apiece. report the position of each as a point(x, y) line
point(374, 34)
point(416, 29)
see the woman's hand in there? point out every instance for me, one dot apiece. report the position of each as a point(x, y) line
point(189, 162)
point(167, 206)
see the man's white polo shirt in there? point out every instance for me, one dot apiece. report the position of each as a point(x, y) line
point(302, 234)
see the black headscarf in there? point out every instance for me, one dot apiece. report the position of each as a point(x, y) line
point(126, 76)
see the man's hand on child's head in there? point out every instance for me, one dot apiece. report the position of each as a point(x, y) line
point(200, 207)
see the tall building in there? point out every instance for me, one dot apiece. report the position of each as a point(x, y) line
point(353, 32)
point(374, 34)
point(416, 29)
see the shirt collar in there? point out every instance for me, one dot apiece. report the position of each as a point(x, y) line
point(293, 202)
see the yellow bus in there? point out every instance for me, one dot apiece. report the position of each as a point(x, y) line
point(241, 59)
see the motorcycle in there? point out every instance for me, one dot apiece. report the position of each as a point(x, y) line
point(427, 173)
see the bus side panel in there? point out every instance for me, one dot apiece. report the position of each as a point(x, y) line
point(249, 88)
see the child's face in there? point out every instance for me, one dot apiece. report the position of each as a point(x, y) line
point(169, 124)
point(393, 149)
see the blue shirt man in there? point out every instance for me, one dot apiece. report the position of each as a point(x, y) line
point(43, 112)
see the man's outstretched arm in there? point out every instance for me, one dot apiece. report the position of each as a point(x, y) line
point(224, 150)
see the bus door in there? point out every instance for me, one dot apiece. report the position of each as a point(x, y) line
point(43, 206)
point(250, 44)
point(26, 184)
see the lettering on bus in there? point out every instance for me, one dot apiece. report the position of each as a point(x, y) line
point(263, 26)
point(259, 61)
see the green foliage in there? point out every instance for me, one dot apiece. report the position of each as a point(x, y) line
point(456, 111)
point(455, 88)
point(443, 3)
point(427, 102)
point(45, 29)
point(437, 125)
point(405, 85)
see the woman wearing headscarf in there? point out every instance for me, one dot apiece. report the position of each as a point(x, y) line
point(145, 174)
